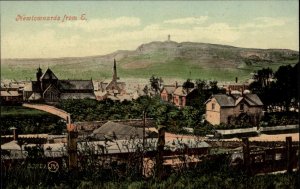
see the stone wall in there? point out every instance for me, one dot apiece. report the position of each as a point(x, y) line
point(254, 129)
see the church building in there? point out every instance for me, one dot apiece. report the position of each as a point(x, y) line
point(112, 89)
point(48, 88)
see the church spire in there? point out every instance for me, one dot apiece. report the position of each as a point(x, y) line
point(39, 73)
point(115, 77)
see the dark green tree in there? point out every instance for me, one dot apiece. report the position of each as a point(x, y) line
point(286, 85)
point(213, 85)
point(188, 84)
point(282, 92)
point(201, 85)
point(156, 83)
point(263, 76)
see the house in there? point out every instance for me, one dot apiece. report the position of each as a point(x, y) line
point(183, 96)
point(167, 92)
point(117, 131)
point(138, 93)
point(10, 97)
point(48, 88)
point(11, 93)
point(234, 109)
point(235, 87)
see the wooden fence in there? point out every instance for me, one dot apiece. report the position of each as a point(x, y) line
point(252, 159)
point(271, 159)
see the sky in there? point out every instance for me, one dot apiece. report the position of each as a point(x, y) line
point(102, 27)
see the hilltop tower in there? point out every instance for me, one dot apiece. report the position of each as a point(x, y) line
point(169, 37)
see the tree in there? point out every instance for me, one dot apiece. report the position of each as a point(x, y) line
point(286, 84)
point(156, 83)
point(191, 116)
point(201, 85)
point(283, 92)
point(188, 84)
point(146, 89)
point(213, 85)
point(263, 76)
point(143, 104)
point(263, 87)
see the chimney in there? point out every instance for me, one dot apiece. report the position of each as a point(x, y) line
point(236, 79)
point(176, 85)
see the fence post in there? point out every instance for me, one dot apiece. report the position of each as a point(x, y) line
point(160, 149)
point(288, 149)
point(72, 146)
point(246, 153)
point(72, 150)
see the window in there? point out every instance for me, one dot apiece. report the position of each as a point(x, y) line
point(213, 106)
point(164, 98)
point(278, 156)
point(242, 107)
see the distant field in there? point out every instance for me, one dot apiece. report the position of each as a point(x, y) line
point(170, 69)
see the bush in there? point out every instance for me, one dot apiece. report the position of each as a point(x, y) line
point(280, 118)
point(32, 124)
point(205, 129)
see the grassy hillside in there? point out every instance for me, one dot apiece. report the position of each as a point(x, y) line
point(164, 59)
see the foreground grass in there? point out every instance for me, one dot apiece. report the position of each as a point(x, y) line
point(208, 182)
point(190, 181)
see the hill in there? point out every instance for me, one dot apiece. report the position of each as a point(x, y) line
point(167, 59)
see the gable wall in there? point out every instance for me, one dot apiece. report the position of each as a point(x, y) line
point(164, 95)
point(220, 114)
point(235, 111)
point(213, 115)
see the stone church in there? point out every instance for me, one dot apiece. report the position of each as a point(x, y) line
point(48, 88)
point(113, 89)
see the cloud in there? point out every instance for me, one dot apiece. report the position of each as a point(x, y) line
point(188, 20)
point(152, 27)
point(214, 33)
point(218, 32)
point(101, 24)
point(264, 22)
point(108, 37)
point(45, 43)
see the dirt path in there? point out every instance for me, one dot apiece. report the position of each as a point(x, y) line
point(50, 109)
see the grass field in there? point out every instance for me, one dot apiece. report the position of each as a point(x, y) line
point(171, 69)
point(19, 110)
